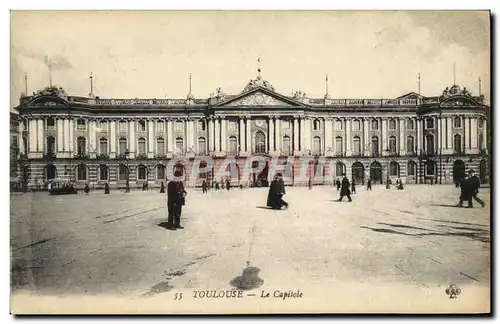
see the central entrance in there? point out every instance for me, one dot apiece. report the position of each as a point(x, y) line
point(376, 171)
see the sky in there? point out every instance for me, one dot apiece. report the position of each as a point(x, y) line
point(150, 54)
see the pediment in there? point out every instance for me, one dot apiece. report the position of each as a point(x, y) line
point(48, 101)
point(459, 101)
point(260, 98)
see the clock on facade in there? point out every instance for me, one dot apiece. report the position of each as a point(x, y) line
point(259, 122)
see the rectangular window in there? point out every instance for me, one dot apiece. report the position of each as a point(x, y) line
point(285, 124)
point(338, 125)
point(141, 126)
point(122, 126)
point(103, 173)
point(160, 126)
point(179, 126)
point(356, 125)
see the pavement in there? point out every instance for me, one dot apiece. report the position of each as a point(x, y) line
point(117, 244)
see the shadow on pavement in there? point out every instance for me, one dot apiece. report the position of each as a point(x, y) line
point(452, 222)
point(442, 205)
point(472, 233)
point(165, 226)
point(264, 207)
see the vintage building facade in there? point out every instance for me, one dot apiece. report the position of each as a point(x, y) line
point(93, 140)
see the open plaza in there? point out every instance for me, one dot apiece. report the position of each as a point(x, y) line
point(117, 244)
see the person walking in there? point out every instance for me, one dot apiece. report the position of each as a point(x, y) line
point(344, 189)
point(204, 186)
point(228, 184)
point(338, 184)
point(369, 184)
point(162, 187)
point(175, 200)
point(353, 186)
point(106, 188)
point(475, 184)
point(465, 193)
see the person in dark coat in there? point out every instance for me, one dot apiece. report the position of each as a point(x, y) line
point(86, 189)
point(204, 186)
point(216, 186)
point(344, 189)
point(162, 187)
point(281, 192)
point(338, 184)
point(310, 183)
point(369, 184)
point(353, 186)
point(399, 184)
point(228, 184)
point(175, 200)
point(474, 184)
point(465, 193)
point(106, 188)
point(272, 193)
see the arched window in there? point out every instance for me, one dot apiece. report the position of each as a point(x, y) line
point(179, 144)
point(374, 124)
point(394, 169)
point(429, 142)
point(392, 144)
point(51, 145)
point(103, 146)
point(122, 126)
point(201, 125)
point(122, 172)
point(317, 145)
point(409, 124)
point(233, 145)
point(122, 145)
point(142, 172)
point(412, 168)
point(457, 144)
point(160, 172)
point(339, 149)
point(202, 146)
point(286, 146)
point(260, 142)
point(375, 146)
point(142, 145)
point(316, 124)
point(141, 126)
point(50, 172)
point(81, 145)
point(103, 173)
point(81, 172)
point(457, 122)
point(339, 169)
point(80, 124)
point(410, 144)
point(356, 145)
point(160, 126)
point(160, 146)
point(392, 124)
point(51, 123)
point(429, 123)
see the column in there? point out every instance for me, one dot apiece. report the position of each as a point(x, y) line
point(131, 138)
point(71, 128)
point(112, 138)
point(151, 139)
point(348, 138)
point(223, 130)
point(192, 129)
point(366, 136)
point(449, 134)
point(217, 135)
point(295, 134)
point(170, 136)
point(20, 138)
point(271, 134)
point(419, 136)
point(277, 137)
point(66, 135)
point(328, 134)
point(467, 133)
point(385, 136)
point(303, 134)
point(442, 133)
point(309, 134)
point(209, 135)
point(402, 137)
point(32, 135)
point(241, 141)
point(473, 134)
point(40, 137)
point(248, 136)
point(60, 135)
point(485, 135)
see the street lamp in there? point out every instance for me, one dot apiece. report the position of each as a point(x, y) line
point(127, 185)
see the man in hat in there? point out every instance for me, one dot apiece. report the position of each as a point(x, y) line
point(474, 184)
point(281, 192)
point(465, 193)
point(175, 199)
point(344, 189)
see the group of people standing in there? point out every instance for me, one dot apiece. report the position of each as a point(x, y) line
point(469, 188)
point(216, 185)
